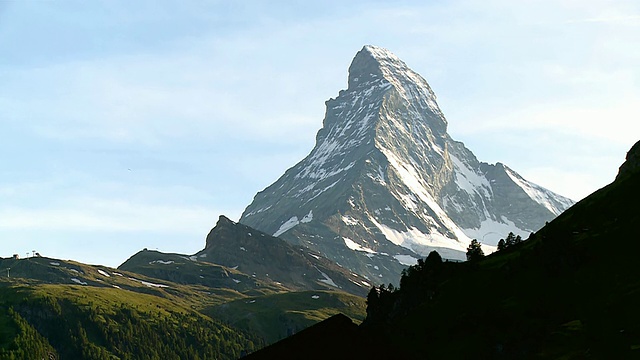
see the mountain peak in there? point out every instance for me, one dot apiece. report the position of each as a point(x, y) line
point(364, 68)
point(373, 63)
point(379, 52)
point(223, 220)
point(385, 184)
point(376, 70)
point(381, 55)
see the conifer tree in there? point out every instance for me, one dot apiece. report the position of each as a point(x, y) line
point(511, 240)
point(474, 251)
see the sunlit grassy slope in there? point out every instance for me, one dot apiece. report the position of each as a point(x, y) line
point(74, 310)
point(274, 317)
point(88, 322)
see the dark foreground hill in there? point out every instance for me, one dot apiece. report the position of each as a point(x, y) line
point(335, 338)
point(571, 291)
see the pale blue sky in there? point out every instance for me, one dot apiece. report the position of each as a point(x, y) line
point(132, 124)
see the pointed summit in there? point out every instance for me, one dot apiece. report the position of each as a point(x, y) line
point(377, 69)
point(367, 65)
point(385, 184)
point(223, 220)
point(373, 63)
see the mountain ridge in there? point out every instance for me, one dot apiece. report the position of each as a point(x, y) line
point(565, 293)
point(271, 259)
point(244, 259)
point(385, 183)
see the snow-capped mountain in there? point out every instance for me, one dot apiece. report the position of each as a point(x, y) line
point(385, 184)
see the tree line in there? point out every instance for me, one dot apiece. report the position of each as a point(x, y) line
point(48, 327)
point(420, 283)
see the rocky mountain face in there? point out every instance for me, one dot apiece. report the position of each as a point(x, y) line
point(190, 270)
point(565, 293)
point(247, 260)
point(271, 260)
point(385, 184)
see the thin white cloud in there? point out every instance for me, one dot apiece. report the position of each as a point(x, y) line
point(620, 19)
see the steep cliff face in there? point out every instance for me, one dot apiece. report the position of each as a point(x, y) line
point(632, 163)
point(385, 183)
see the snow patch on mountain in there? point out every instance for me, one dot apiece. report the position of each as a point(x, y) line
point(349, 220)
point(149, 284)
point(327, 280)
point(417, 186)
point(491, 231)
point(316, 169)
point(287, 225)
point(408, 83)
point(408, 175)
point(419, 242)
point(357, 247)
point(307, 218)
point(539, 194)
point(378, 177)
point(168, 262)
point(292, 222)
point(406, 259)
point(103, 273)
point(259, 210)
point(80, 282)
point(470, 181)
point(317, 193)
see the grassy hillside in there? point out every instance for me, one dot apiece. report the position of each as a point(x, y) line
point(88, 322)
point(41, 270)
point(274, 317)
point(78, 311)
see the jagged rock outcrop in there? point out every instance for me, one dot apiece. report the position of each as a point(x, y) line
point(632, 163)
point(273, 260)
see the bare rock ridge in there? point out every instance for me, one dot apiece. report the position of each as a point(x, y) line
point(385, 184)
point(272, 260)
point(632, 163)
